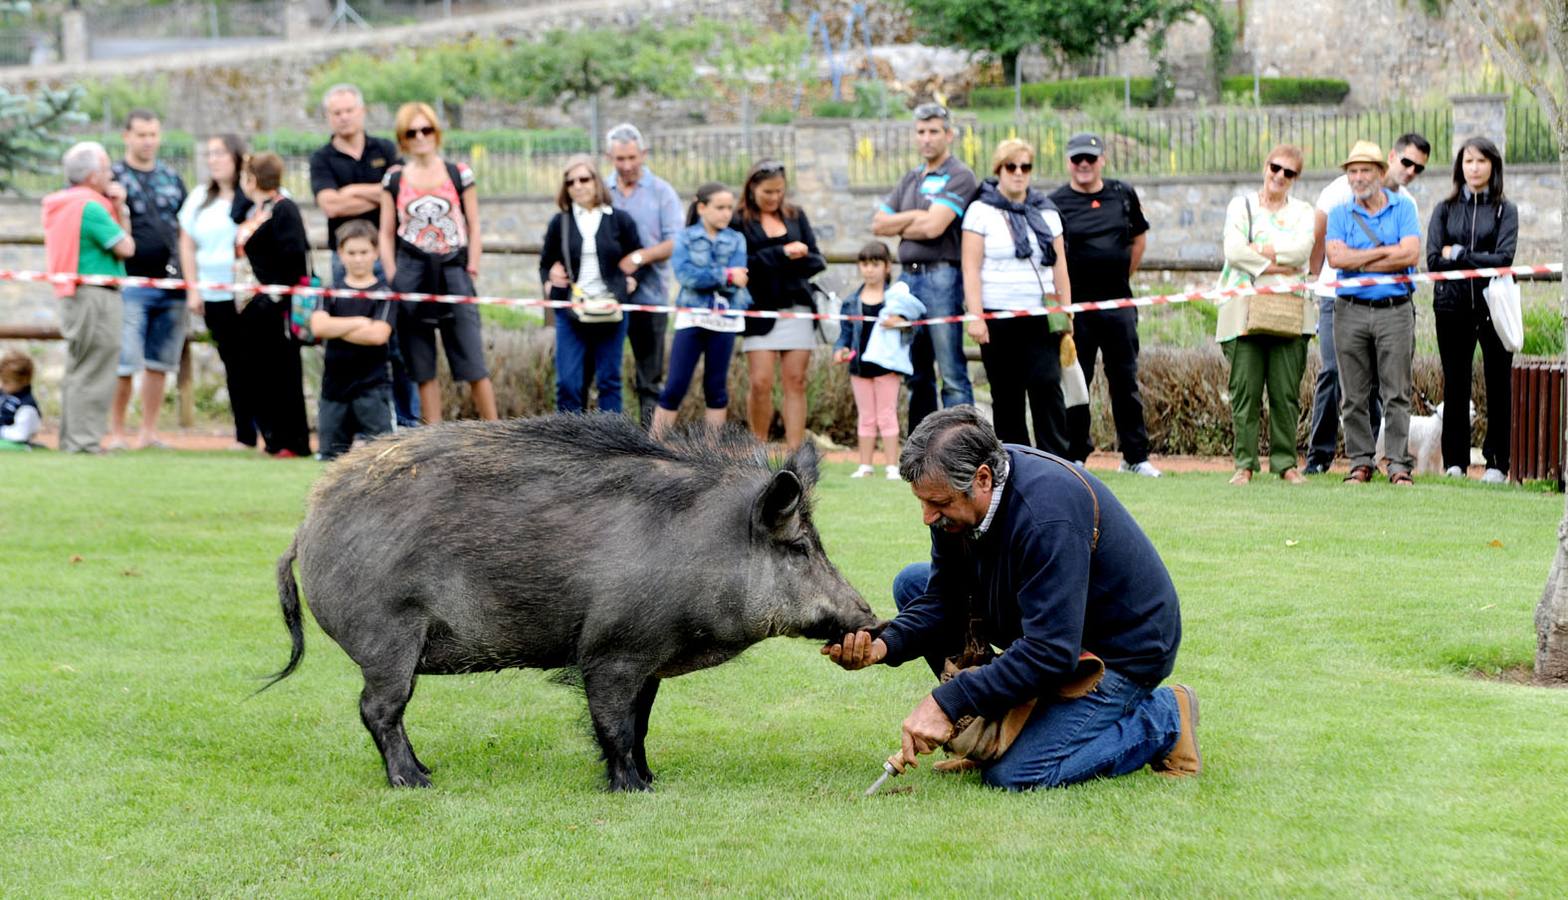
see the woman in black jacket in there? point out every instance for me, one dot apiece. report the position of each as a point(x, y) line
point(592, 273)
point(272, 238)
point(1475, 227)
point(781, 258)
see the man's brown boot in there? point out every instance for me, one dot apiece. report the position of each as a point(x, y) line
point(1184, 758)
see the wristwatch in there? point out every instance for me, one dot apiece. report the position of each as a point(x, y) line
point(637, 258)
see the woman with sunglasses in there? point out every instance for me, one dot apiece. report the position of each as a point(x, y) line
point(1014, 259)
point(1268, 240)
point(430, 244)
point(781, 257)
point(580, 261)
point(1475, 227)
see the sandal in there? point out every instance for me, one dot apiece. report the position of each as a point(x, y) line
point(1291, 476)
point(1401, 478)
point(1359, 475)
point(1242, 476)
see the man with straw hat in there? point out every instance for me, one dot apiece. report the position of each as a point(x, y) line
point(1377, 233)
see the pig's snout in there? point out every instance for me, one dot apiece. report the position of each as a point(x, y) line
point(840, 616)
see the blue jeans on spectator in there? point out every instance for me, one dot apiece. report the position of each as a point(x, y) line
point(937, 348)
point(713, 350)
point(1323, 438)
point(575, 344)
point(1117, 728)
point(152, 330)
point(405, 393)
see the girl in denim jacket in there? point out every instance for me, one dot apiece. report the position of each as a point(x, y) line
point(710, 263)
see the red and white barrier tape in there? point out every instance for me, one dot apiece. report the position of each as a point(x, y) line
point(1215, 294)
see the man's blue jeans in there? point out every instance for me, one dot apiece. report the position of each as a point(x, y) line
point(1117, 728)
point(938, 348)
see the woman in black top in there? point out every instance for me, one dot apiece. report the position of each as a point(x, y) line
point(272, 238)
point(781, 258)
point(1475, 227)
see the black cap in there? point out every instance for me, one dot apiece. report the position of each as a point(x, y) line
point(1085, 143)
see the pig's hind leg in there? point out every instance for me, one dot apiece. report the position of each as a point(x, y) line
point(389, 685)
point(616, 689)
point(650, 689)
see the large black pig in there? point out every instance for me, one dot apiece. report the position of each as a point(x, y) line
point(556, 542)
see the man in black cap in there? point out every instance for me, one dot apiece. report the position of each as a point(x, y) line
point(1105, 233)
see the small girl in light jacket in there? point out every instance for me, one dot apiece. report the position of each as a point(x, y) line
point(875, 388)
point(710, 263)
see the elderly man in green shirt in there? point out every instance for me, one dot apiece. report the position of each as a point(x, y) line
point(84, 234)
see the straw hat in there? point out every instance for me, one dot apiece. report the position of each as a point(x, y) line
point(1366, 152)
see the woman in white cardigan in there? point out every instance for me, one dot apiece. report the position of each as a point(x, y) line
point(1268, 240)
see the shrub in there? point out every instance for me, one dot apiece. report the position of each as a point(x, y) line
point(833, 109)
point(1286, 91)
point(1543, 330)
point(1073, 93)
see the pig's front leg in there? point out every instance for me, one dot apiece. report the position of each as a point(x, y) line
point(613, 688)
point(650, 689)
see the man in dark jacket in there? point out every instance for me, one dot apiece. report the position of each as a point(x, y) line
point(1049, 565)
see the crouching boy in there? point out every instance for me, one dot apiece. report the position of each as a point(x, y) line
point(19, 419)
point(356, 386)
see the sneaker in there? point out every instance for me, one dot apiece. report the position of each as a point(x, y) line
point(1454, 472)
point(1184, 758)
point(892, 473)
point(861, 472)
point(1078, 462)
point(1316, 469)
point(1145, 468)
point(1493, 476)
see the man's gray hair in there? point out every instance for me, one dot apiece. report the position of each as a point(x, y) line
point(952, 445)
point(82, 160)
point(342, 87)
point(624, 133)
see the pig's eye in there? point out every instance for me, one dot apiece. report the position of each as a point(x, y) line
point(800, 546)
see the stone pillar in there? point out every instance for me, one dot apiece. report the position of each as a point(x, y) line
point(74, 47)
point(296, 21)
point(1480, 115)
point(823, 151)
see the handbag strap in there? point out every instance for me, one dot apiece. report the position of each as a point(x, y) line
point(1365, 228)
point(566, 249)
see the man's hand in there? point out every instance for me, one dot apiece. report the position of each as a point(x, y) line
point(627, 266)
point(926, 729)
point(116, 192)
point(857, 651)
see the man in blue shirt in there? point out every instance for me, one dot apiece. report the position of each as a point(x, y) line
point(1039, 558)
point(656, 209)
point(1377, 233)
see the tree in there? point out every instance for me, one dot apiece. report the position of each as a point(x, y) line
point(28, 142)
point(1545, 80)
point(1004, 28)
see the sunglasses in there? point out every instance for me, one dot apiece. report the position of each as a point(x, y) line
point(771, 167)
point(1025, 168)
point(930, 111)
point(1278, 169)
point(1083, 159)
point(585, 179)
point(1415, 167)
point(426, 131)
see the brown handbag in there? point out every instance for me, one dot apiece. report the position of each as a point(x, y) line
point(978, 739)
point(1276, 315)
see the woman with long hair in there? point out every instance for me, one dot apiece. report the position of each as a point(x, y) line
point(209, 223)
point(430, 243)
point(782, 257)
point(581, 260)
point(1474, 227)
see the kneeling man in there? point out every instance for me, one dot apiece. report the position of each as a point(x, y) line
point(1048, 564)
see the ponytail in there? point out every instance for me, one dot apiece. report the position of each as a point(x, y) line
point(704, 194)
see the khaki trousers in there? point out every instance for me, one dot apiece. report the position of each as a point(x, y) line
point(1376, 341)
point(91, 323)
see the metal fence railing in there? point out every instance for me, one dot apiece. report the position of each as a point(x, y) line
point(1182, 142)
point(189, 19)
point(504, 167)
point(1530, 138)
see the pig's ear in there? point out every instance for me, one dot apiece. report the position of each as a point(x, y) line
point(781, 501)
point(803, 462)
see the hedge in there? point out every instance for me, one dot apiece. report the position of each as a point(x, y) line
point(1287, 91)
point(1073, 93)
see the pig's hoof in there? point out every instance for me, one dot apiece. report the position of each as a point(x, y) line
point(414, 779)
point(629, 782)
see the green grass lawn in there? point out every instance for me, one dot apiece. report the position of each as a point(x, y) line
point(1330, 631)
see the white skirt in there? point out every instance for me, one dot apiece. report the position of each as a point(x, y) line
point(787, 334)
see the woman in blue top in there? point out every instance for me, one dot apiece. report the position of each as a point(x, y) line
point(710, 264)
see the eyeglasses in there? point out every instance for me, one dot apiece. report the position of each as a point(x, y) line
point(1412, 165)
point(1025, 168)
point(930, 111)
point(426, 131)
point(1083, 159)
point(1278, 169)
point(574, 182)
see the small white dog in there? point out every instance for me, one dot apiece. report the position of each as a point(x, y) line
point(1426, 441)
